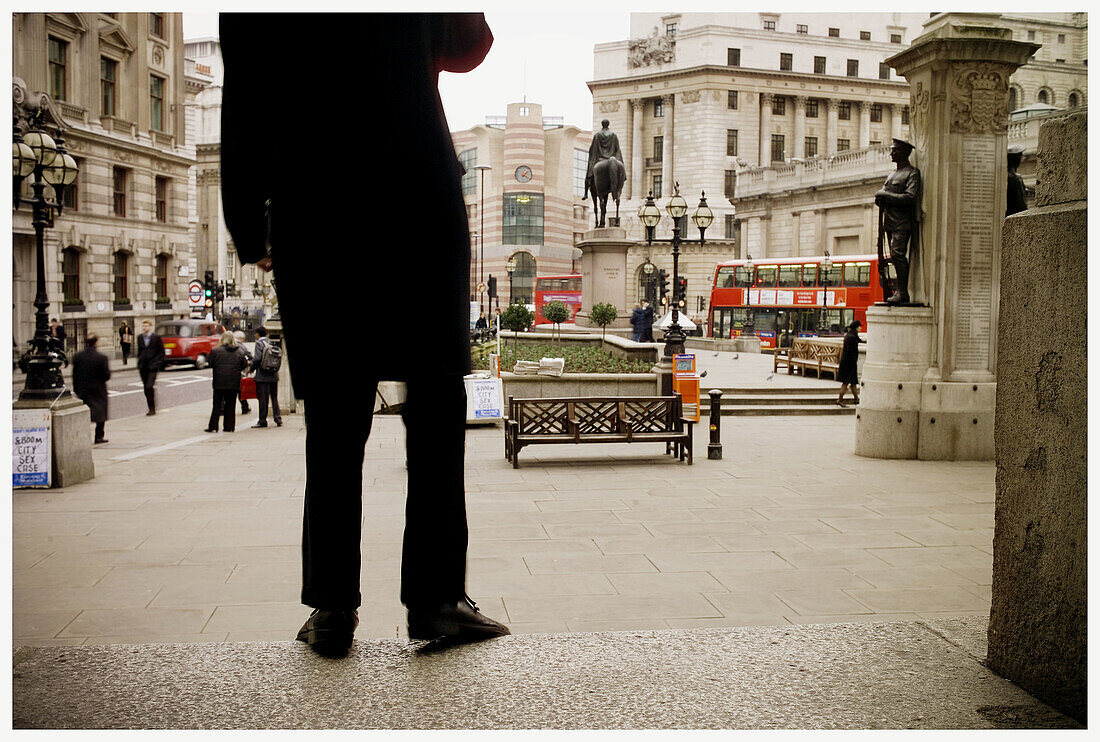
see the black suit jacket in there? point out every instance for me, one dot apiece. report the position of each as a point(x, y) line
point(363, 179)
point(90, 374)
point(150, 357)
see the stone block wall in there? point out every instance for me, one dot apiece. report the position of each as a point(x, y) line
point(1037, 627)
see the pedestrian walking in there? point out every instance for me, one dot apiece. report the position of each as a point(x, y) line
point(125, 338)
point(846, 370)
point(267, 358)
point(57, 330)
point(647, 323)
point(637, 319)
point(150, 360)
point(91, 370)
point(227, 361)
point(405, 54)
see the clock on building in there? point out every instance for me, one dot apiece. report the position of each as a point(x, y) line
point(523, 173)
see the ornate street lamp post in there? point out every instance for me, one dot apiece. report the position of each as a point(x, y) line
point(749, 328)
point(826, 267)
point(481, 233)
point(510, 266)
point(649, 269)
point(650, 216)
point(34, 152)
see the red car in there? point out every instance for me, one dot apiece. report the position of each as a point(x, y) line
point(189, 340)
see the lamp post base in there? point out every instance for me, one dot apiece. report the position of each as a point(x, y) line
point(44, 380)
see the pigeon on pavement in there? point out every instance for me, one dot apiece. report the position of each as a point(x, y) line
point(770, 377)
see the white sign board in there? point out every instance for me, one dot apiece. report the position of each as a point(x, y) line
point(195, 294)
point(484, 400)
point(31, 448)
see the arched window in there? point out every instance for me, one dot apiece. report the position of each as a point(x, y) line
point(70, 270)
point(1073, 100)
point(523, 279)
point(647, 285)
point(1012, 99)
point(1043, 97)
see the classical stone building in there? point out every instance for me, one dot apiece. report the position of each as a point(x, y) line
point(122, 248)
point(784, 120)
point(533, 211)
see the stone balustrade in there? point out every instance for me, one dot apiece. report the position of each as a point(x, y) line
point(869, 161)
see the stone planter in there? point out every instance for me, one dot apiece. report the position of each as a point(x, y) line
point(123, 307)
point(163, 305)
point(580, 385)
point(72, 307)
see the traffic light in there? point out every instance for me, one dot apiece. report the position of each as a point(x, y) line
point(219, 290)
point(662, 285)
point(492, 286)
point(682, 291)
point(208, 289)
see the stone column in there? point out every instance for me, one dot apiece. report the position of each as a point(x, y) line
point(743, 238)
point(895, 120)
point(637, 152)
point(958, 71)
point(822, 239)
point(864, 123)
point(796, 234)
point(830, 126)
point(766, 100)
point(666, 164)
point(799, 127)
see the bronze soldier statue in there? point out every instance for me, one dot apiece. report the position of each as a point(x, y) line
point(1017, 193)
point(898, 201)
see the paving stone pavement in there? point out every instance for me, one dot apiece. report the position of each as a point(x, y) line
point(185, 536)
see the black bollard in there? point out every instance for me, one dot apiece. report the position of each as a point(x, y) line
point(714, 448)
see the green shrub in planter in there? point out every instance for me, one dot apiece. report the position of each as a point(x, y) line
point(557, 313)
point(516, 318)
point(603, 314)
point(163, 300)
point(121, 300)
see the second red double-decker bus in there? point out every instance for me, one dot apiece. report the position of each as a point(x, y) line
point(796, 295)
point(566, 289)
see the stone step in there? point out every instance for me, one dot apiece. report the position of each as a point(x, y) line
point(787, 399)
point(769, 391)
point(776, 409)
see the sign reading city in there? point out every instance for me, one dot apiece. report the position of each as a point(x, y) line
point(30, 448)
point(484, 400)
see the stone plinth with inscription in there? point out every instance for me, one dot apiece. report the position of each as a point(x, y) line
point(603, 273)
point(958, 71)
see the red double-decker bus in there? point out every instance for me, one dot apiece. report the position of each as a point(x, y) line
point(566, 289)
point(793, 294)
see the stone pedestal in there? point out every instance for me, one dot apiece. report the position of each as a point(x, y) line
point(958, 71)
point(604, 273)
point(899, 340)
point(288, 403)
point(71, 421)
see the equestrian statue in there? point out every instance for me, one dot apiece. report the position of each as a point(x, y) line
point(606, 173)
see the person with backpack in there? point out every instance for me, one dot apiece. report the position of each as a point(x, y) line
point(267, 357)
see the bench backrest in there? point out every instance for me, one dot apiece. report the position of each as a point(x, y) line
point(594, 414)
point(816, 350)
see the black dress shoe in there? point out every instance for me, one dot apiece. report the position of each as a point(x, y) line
point(329, 633)
point(260, 425)
point(101, 440)
point(456, 623)
point(210, 430)
point(150, 412)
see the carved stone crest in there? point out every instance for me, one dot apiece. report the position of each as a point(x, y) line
point(609, 106)
point(979, 100)
point(691, 96)
point(158, 55)
point(918, 109)
point(656, 49)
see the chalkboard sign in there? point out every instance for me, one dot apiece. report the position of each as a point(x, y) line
point(31, 448)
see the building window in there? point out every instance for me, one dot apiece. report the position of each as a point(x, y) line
point(853, 68)
point(1043, 96)
point(731, 100)
point(864, 35)
point(658, 107)
point(1059, 61)
point(1061, 38)
point(108, 69)
point(844, 110)
point(883, 71)
point(777, 148)
point(874, 142)
point(671, 28)
point(843, 145)
point(769, 25)
point(523, 279)
point(580, 171)
point(70, 270)
point(731, 142)
point(156, 24)
point(895, 38)
point(779, 105)
point(156, 103)
point(811, 108)
point(905, 115)
point(162, 277)
point(658, 149)
point(786, 61)
point(819, 65)
point(523, 219)
point(834, 32)
point(1031, 36)
point(121, 270)
point(733, 57)
point(730, 183)
point(70, 196)
point(59, 52)
point(811, 146)
point(876, 113)
point(468, 159)
point(119, 178)
point(1072, 99)
point(1012, 99)
point(162, 199)
point(801, 28)
point(524, 110)
point(657, 183)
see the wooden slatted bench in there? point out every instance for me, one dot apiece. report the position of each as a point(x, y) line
point(812, 354)
point(597, 420)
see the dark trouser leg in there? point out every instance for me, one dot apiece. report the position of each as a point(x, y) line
point(100, 430)
point(216, 403)
point(149, 380)
point(273, 394)
point(125, 353)
point(230, 396)
point(433, 557)
point(336, 432)
point(899, 248)
point(263, 389)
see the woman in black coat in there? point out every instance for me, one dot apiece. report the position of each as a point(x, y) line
point(849, 355)
point(90, 374)
point(125, 338)
point(227, 362)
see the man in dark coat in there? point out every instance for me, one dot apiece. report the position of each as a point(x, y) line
point(395, 64)
point(227, 362)
point(90, 374)
point(150, 360)
point(636, 319)
point(846, 372)
point(267, 382)
point(647, 322)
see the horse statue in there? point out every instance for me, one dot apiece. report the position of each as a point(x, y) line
point(608, 176)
